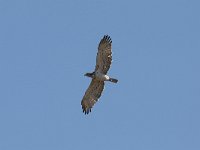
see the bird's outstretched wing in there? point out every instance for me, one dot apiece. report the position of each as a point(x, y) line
point(104, 55)
point(92, 95)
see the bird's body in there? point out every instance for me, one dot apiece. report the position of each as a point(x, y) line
point(100, 76)
point(103, 62)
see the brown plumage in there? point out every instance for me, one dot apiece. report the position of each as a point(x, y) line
point(92, 95)
point(103, 62)
point(104, 55)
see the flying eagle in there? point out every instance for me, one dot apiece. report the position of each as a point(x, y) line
point(103, 62)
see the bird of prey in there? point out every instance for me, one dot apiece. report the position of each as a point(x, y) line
point(103, 62)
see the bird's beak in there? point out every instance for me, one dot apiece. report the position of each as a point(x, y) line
point(88, 75)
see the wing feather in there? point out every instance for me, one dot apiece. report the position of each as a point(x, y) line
point(104, 55)
point(92, 95)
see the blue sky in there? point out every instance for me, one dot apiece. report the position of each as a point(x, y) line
point(46, 47)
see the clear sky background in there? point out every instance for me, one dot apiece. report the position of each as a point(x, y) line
point(46, 47)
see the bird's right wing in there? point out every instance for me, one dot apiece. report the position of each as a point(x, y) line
point(92, 95)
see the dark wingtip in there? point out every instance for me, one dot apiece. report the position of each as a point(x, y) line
point(107, 38)
point(86, 110)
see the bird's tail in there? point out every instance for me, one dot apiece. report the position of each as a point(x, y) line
point(113, 80)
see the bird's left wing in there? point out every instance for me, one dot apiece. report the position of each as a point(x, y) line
point(92, 95)
point(104, 55)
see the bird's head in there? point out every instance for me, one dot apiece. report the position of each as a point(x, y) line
point(91, 75)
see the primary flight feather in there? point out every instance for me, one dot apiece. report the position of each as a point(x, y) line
point(103, 62)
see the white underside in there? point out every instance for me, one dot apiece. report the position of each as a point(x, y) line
point(101, 76)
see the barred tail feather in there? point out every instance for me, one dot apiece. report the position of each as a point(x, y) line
point(113, 80)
